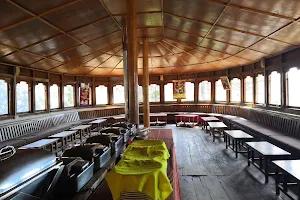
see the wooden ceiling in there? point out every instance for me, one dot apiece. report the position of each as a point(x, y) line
point(84, 37)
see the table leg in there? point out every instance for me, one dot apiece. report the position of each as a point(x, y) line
point(285, 181)
point(266, 170)
point(277, 181)
point(252, 156)
point(226, 138)
point(298, 186)
point(260, 162)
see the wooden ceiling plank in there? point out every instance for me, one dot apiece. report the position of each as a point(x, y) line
point(220, 26)
point(252, 10)
point(162, 17)
point(163, 55)
point(174, 54)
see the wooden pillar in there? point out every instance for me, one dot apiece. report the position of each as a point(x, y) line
point(93, 92)
point(283, 87)
point(213, 91)
point(146, 106)
point(32, 96)
point(61, 91)
point(196, 91)
point(13, 93)
point(162, 92)
point(125, 69)
point(254, 88)
point(76, 93)
point(110, 94)
point(132, 77)
point(242, 89)
point(266, 75)
point(48, 94)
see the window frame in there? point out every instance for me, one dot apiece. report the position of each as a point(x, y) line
point(269, 89)
point(29, 83)
point(256, 90)
point(74, 87)
point(218, 101)
point(122, 103)
point(107, 97)
point(245, 93)
point(204, 101)
point(240, 91)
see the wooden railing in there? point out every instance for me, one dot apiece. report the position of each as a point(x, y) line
point(286, 123)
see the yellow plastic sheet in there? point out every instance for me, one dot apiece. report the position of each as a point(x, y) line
point(142, 168)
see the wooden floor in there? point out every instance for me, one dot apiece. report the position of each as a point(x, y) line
point(210, 172)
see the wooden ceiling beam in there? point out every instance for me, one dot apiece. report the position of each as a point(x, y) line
point(215, 22)
point(108, 11)
point(138, 13)
point(222, 27)
point(178, 57)
point(252, 10)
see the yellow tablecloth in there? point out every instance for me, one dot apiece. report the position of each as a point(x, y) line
point(142, 168)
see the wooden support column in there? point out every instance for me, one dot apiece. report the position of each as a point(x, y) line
point(93, 92)
point(125, 69)
point(13, 93)
point(162, 90)
point(48, 94)
point(242, 89)
point(213, 91)
point(110, 94)
point(32, 96)
point(132, 77)
point(76, 93)
point(196, 91)
point(146, 106)
point(254, 88)
point(283, 87)
point(266, 75)
point(61, 91)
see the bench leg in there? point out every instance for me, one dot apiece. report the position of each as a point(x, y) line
point(266, 170)
point(277, 181)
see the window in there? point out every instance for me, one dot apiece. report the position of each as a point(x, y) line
point(154, 93)
point(101, 95)
point(293, 82)
point(220, 92)
point(204, 91)
point(69, 96)
point(3, 97)
point(248, 89)
point(140, 94)
point(169, 92)
point(235, 91)
point(40, 97)
point(260, 89)
point(274, 88)
point(22, 97)
point(54, 96)
point(118, 92)
point(189, 91)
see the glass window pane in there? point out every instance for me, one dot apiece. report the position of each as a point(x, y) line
point(140, 94)
point(54, 96)
point(275, 88)
point(69, 96)
point(189, 91)
point(293, 77)
point(40, 97)
point(220, 92)
point(260, 89)
point(248, 89)
point(154, 93)
point(235, 91)
point(169, 92)
point(3, 97)
point(22, 97)
point(101, 95)
point(204, 91)
point(118, 92)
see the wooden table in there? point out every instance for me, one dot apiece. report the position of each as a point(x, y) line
point(82, 129)
point(46, 144)
point(267, 153)
point(220, 126)
point(208, 119)
point(288, 168)
point(158, 117)
point(238, 137)
point(99, 123)
point(66, 137)
point(186, 120)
